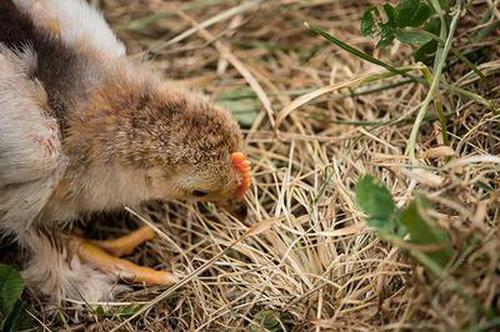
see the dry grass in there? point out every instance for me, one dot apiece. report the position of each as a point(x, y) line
point(311, 260)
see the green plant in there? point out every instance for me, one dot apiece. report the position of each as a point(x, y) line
point(269, 321)
point(431, 24)
point(244, 106)
point(410, 21)
point(407, 14)
point(13, 316)
point(411, 228)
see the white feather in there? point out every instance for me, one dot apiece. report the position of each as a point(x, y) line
point(80, 24)
point(31, 161)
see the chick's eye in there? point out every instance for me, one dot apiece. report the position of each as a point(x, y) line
point(200, 193)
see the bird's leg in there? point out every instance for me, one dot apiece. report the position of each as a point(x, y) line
point(125, 245)
point(102, 255)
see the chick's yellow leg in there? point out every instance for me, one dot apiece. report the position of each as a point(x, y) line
point(92, 254)
point(125, 245)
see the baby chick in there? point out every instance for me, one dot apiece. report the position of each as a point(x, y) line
point(84, 130)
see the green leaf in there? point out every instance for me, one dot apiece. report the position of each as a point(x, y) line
point(391, 15)
point(386, 36)
point(374, 199)
point(420, 15)
point(423, 232)
point(128, 310)
point(412, 13)
point(367, 22)
point(242, 103)
point(11, 306)
point(11, 288)
point(405, 10)
point(237, 93)
point(433, 26)
point(425, 53)
point(412, 37)
point(445, 4)
point(18, 319)
point(384, 226)
point(266, 320)
point(245, 111)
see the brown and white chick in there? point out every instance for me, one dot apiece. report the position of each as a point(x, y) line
point(84, 130)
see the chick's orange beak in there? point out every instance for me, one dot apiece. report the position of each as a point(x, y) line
point(242, 166)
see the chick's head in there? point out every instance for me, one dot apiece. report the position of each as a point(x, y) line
point(183, 146)
point(190, 148)
point(200, 153)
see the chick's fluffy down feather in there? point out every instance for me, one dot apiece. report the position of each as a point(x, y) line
point(76, 23)
point(31, 160)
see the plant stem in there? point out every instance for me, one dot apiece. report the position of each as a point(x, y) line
point(439, 63)
point(438, 105)
point(442, 33)
point(443, 123)
point(355, 51)
point(472, 96)
point(455, 52)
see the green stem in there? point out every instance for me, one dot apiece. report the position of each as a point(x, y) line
point(355, 51)
point(443, 33)
point(455, 52)
point(472, 96)
point(443, 123)
point(439, 63)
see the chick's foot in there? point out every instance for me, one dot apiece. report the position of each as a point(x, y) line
point(104, 255)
